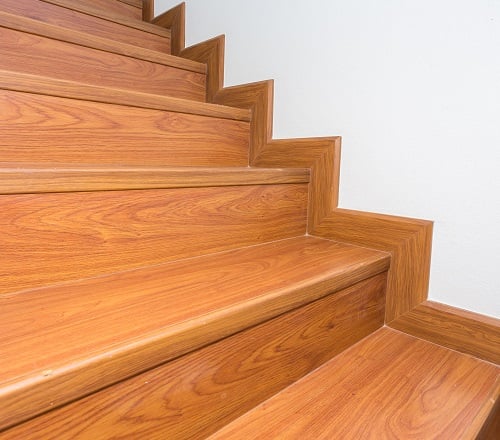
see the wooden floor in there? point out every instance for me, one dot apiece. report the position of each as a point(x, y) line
point(388, 386)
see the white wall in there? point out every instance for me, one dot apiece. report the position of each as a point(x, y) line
point(413, 87)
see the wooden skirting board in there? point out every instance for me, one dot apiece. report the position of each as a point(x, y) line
point(408, 240)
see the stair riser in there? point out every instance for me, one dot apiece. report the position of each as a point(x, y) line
point(92, 66)
point(197, 394)
point(74, 20)
point(127, 9)
point(38, 128)
point(51, 238)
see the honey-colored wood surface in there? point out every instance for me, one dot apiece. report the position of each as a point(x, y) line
point(460, 330)
point(390, 385)
point(36, 27)
point(193, 396)
point(408, 240)
point(85, 335)
point(92, 66)
point(22, 82)
point(175, 20)
point(148, 11)
point(211, 53)
point(74, 15)
point(123, 8)
point(46, 129)
point(490, 428)
point(50, 238)
point(35, 178)
point(322, 155)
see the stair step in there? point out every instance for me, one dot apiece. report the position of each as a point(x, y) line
point(75, 15)
point(91, 124)
point(50, 238)
point(32, 178)
point(390, 385)
point(88, 58)
point(63, 342)
point(126, 8)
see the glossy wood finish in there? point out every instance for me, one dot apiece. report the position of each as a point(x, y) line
point(489, 427)
point(390, 385)
point(129, 322)
point(211, 53)
point(408, 241)
point(36, 27)
point(22, 82)
point(127, 9)
point(175, 20)
point(35, 178)
point(193, 396)
point(46, 129)
point(101, 68)
point(148, 10)
point(460, 330)
point(74, 15)
point(51, 238)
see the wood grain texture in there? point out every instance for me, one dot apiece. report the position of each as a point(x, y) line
point(22, 82)
point(390, 385)
point(490, 429)
point(211, 53)
point(74, 15)
point(101, 68)
point(129, 323)
point(193, 396)
point(175, 20)
point(460, 330)
point(123, 8)
point(45, 129)
point(51, 238)
point(77, 5)
point(322, 155)
point(35, 178)
point(148, 12)
point(35, 27)
point(408, 241)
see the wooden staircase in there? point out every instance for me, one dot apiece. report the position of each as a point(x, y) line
point(170, 271)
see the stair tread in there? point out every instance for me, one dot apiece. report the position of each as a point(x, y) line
point(42, 85)
point(51, 31)
point(390, 385)
point(28, 178)
point(68, 340)
point(78, 6)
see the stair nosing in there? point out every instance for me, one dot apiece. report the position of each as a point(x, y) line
point(41, 85)
point(47, 30)
point(116, 362)
point(56, 178)
point(108, 16)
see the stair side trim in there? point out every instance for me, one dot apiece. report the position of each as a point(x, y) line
point(175, 20)
point(460, 330)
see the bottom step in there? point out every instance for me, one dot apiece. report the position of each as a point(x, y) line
point(390, 385)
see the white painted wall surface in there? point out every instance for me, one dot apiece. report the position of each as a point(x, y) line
point(413, 87)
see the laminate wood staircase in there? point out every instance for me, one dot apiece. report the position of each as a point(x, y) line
point(170, 271)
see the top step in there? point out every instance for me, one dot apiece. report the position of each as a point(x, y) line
point(84, 17)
